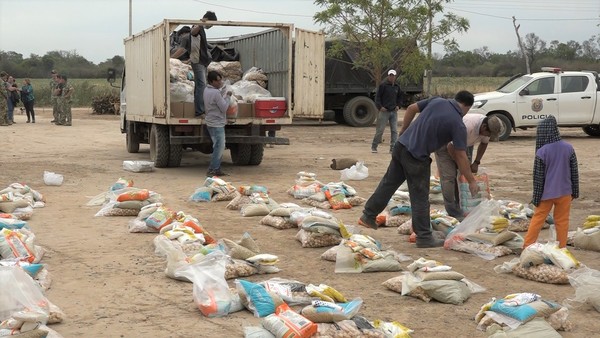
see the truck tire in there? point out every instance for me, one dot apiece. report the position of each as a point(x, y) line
point(360, 111)
point(175, 154)
point(506, 126)
point(131, 139)
point(256, 154)
point(240, 153)
point(592, 130)
point(159, 145)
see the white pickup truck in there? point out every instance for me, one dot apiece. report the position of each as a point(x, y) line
point(524, 100)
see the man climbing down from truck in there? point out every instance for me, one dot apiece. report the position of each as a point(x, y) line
point(200, 59)
point(216, 110)
point(388, 100)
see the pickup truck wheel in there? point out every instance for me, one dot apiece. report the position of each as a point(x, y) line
point(256, 154)
point(360, 112)
point(131, 139)
point(506, 126)
point(159, 145)
point(175, 154)
point(241, 153)
point(592, 130)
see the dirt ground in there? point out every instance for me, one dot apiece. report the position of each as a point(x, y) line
point(109, 282)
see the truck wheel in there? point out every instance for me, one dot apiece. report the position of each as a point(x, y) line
point(159, 145)
point(175, 154)
point(256, 154)
point(592, 130)
point(360, 111)
point(131, 139)
point(240, 153)
point(506, 126)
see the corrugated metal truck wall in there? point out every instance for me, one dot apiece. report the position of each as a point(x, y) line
point(269, 50)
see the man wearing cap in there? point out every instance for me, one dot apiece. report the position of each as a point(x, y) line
point(480, 129)
point(388, 100)
point(53, 96)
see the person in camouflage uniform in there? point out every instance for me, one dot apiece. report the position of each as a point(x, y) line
point(3, 99)
point(64, 101)
point(53, 97)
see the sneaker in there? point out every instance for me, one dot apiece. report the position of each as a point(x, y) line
point(27, 121)
point(366, 222)
point(217, 172)
point(432, 243)
point(52, 121)
point(374, 150)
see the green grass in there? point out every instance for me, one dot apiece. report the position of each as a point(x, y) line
point(85, 91)
point(448, 86)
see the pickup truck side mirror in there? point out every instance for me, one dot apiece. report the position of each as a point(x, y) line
point(110, 75)
point(524, 92)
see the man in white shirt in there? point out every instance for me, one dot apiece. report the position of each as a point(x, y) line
point(480, 129)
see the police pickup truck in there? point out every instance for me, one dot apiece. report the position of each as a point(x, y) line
point(524, 100)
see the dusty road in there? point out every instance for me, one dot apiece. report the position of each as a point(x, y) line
point(109, 282)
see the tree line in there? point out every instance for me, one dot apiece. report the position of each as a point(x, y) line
point(69, 62)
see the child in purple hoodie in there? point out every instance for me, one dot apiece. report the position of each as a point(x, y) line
point(555, 182)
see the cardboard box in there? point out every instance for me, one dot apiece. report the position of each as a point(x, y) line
point(183, 109)
point(270, 107)
point(189, 110)
point(245, 110)
point(177, 109)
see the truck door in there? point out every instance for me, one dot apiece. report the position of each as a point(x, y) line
point(577, 99)
point(309, 74)
point(538, 100)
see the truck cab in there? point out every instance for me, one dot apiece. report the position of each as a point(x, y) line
point(523, 101)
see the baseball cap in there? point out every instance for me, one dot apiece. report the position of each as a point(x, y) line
point(495, 127)
point(392, 72)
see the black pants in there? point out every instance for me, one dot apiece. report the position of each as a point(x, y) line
point(404, 167)
point(29, 110)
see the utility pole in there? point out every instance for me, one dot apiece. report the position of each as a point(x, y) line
point(130, 17)
point(428, 71)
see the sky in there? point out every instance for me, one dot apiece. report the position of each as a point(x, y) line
point(95, 29)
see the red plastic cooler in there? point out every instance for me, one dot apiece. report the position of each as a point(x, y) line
point(270, 107)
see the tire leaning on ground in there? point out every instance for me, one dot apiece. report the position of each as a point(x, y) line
point(360, 111)
point(506, 126)
point(159, 145)
point(592, 130)
point(131, 139)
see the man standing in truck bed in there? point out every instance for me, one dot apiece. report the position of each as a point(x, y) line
point(200, 59)
point(388, 100)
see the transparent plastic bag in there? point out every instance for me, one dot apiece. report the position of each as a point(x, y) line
point(357, 172)
point(586, 282)
point(51, 178)
point(211, 292)
point(21, 293)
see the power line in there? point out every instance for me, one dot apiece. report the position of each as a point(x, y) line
point(253, 11)
point(524, 19)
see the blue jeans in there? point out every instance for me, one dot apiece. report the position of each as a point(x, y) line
point(404, 167)
point(10, 111)
point(199, 85)
point(217, 135)
point(382, 120)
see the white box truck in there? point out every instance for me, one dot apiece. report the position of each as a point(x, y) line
point(148, 116)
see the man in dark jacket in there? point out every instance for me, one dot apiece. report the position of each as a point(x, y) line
point(200, 59)
point(388, 100)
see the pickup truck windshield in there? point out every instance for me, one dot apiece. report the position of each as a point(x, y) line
point(514, 84)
